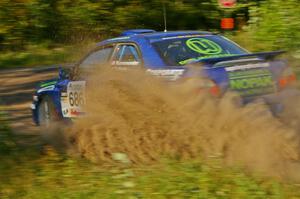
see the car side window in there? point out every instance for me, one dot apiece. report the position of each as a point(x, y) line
point(98, 57)
point(126, 55)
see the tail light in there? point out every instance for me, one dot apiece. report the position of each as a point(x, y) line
point(211, 86)
point(215, 91)
point(287, 78)
point(202, 85)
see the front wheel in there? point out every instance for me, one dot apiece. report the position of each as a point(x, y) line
point(48, 115)
point(51, 124)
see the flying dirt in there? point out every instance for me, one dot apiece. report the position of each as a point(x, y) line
point(146, 118)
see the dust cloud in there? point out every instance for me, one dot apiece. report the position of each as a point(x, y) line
point(146, 118)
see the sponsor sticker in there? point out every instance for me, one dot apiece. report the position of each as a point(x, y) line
point(48, 88)
point(73, 100)
point(247, 66)
point(204, 46)
point(170, 74)
point(251, 82)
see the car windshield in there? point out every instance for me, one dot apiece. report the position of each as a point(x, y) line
point(185, 50)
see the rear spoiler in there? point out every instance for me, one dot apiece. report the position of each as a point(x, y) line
point(261, 55)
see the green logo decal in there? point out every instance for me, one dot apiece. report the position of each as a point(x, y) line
point(254, 82)
point(204, 46)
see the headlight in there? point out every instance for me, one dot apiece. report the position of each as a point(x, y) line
point(35, 98)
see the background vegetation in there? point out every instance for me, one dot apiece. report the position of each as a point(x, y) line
point(37, 32)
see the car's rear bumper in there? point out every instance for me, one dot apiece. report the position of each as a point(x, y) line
point(278, 100)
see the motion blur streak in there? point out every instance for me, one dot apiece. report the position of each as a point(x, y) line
point(130, 112)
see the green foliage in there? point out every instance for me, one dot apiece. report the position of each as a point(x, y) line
point(276, 24)
point(7, 142)
point(54, 176)
point(35, 55)
point(26, 25)
point(271, 25)
point(65, 21)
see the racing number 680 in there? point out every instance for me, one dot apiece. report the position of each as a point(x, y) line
point(76, 98)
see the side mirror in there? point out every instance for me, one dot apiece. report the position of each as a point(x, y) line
point(64, 73)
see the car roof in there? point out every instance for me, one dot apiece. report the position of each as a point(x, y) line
point(158, 35)
point(151, 36)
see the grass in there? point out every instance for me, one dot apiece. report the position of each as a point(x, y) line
point(33, 56)
point(41, 172)
point(41, 55)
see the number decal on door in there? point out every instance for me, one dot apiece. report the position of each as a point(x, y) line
point(76, 98)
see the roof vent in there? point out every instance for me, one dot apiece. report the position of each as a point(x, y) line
point(136, 32)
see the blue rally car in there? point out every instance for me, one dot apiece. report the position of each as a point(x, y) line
point(225, 66)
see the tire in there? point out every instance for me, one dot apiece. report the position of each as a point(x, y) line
point(47, 114)
point(51, 124)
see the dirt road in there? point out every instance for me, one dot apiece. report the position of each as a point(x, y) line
point(17, 87)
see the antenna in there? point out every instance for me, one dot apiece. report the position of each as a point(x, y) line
point(165, 16)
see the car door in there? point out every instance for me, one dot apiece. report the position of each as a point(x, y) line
point(96, 58)
point(73, 98)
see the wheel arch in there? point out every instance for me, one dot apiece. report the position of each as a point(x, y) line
point(54, 96)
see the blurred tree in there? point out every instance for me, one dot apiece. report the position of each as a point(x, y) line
point(13, 23)
point(24, 22)
point(276, 23)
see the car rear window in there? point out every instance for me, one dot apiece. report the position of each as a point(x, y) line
point(184, 50)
